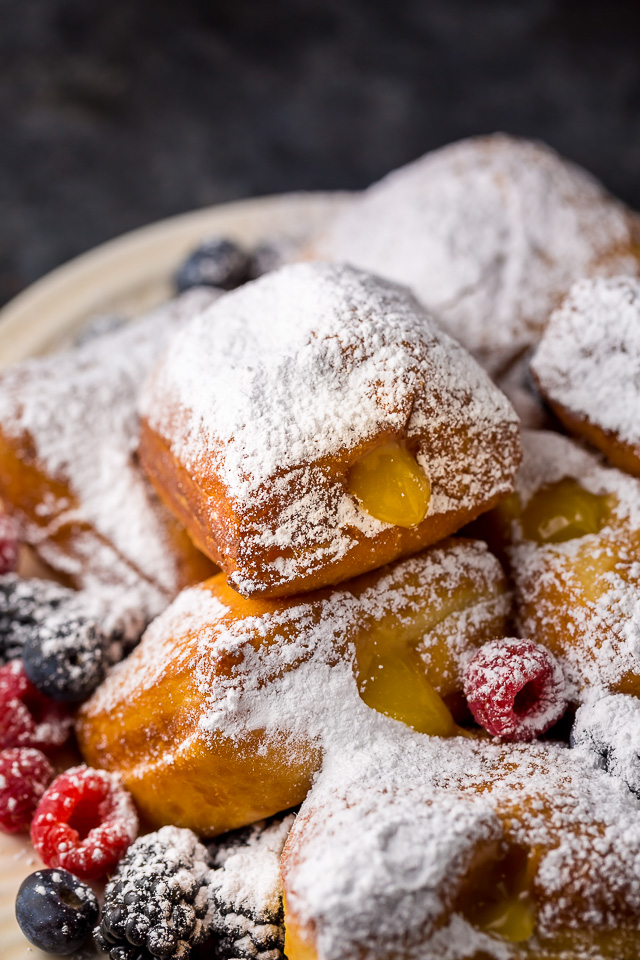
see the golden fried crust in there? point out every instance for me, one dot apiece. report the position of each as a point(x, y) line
point(214, 720)
point(625, 456)
point(200, 503)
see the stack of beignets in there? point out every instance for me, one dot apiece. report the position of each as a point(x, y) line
point(318, 435)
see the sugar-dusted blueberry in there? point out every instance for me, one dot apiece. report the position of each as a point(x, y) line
point(56, 911)
point(67, 658)
point(217, 262)
point(25, 604)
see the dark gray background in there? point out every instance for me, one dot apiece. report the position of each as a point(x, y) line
point(114, 113)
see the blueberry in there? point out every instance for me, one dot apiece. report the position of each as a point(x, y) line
point(56, 911)
point(217, 262)
point(66, 658)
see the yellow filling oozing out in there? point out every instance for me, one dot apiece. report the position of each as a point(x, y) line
point(390, 485)
point(563, 511)
point(498, 900)
point(391, 679)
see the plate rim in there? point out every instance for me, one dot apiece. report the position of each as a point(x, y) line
point(70, 292)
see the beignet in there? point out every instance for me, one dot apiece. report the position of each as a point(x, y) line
point(316, 424)
point(587, 366)
point(571, 534)
point(489, 233)
point(224, 712)
point(69, 470)
point(463, 849)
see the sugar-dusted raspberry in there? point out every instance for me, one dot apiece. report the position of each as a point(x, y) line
point(25, 774)
point(515, 688)
point(9, 543)
point(84, 822)
point(27, 717)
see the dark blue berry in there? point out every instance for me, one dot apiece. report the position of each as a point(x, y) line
point(56, 911)
point(66, 659)
point(217, 262)
point(270, 255)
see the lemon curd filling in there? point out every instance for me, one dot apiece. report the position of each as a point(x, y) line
point(563, 511)
point(391, 679)
point(390, 485)
point(498, 901)
point(394, 685)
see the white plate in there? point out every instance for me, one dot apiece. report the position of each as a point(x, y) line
point(127, 275)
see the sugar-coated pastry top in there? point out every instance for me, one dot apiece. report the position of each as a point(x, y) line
point(383, 842)
point(489, 233)
point(593, 579)
point(588, 361)
point(76, 410)
point(307, 366)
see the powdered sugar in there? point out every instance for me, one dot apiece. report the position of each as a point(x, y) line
point(607, 732)
point(246, 889)
point(76, 411)
point(589, 358)
point(314, 362)
point(247, 876)
point(488, 233)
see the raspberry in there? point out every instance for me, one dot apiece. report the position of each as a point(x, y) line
point(84, 823)
point(9, 544)
point(515, 689)
point(24, 777)
point(27, 717)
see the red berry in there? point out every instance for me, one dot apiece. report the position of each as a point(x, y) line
point(515, 689)
point(27, 717)
point(24, 777)
point(84, 823)
point(9, 544)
